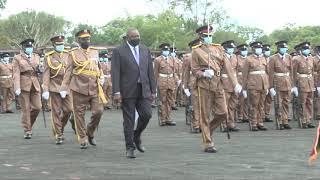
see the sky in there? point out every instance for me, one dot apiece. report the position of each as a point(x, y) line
point(267, 15)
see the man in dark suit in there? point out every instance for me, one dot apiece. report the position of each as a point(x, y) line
point(134, 86)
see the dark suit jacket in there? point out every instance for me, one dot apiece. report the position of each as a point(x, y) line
point(125, 72)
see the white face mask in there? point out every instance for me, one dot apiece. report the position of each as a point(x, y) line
point(6, 60)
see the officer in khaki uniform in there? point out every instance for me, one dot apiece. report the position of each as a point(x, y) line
point(85, 79)
point(231, 96)
point(280, 79)
point(54, 71)
point(164, 70)
point(303, 67)
point(189, 87)
point(26, 85)
point(317, 78)
point(255, 81)
point(178, 72)
point(243, 106)
point(207, 62)
point(267, 103)
point(107, 86)
point(6, 84)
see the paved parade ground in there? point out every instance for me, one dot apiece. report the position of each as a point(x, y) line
point(171, 153)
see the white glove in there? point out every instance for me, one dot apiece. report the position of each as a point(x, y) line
point(208, 73)
point(63, 94)
point(178, 82)
point(273, 92)
point(318, 89)
point(101, 80)
point(237, 88)
point(45, 95)
point(294, 90)
point(187, 92)
point(18, 92)
point(244, 93)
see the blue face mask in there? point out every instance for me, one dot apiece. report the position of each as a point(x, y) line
point(282, 51)
point(258, 51)
point(230, 51)
point(267, 53)
point(173, 54)
point(29, 50)
point(244, 53)
point(59, 48)
point(306, 52)
point(101, 59)
point(165, 53)
point(207, 40)
point(105, 59)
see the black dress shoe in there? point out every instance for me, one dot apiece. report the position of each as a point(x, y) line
point(254, 128)
point(174, 108)
point(310, 125)
point(130, 153)
point(281, 127)
point(9, 111)
point(84, 145)
point(286, 126)
point(262, 128)
point(170, 123)
point(59, 141)
point(139, 146)
point(92, 141)
point(304, 126)
point(162, 123)
point(195, 130)
point(210, 150)
point(234, 129)
point(267, 119)
point(245, 120)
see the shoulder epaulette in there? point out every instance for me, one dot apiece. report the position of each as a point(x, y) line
point(216, 44)
point(49, 53)
point(196, 46)
point(97, 48)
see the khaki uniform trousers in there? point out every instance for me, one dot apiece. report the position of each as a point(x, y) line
point(283, 99)
point(6, 103)
point(196, 111)
point(243, 108)
point(80, 103)
point(30, 107)
point(213, 110)
point(167, 99)
point(60, 112)
point(267, 105)
point(256, 106)
point(306, 101)
point(231, 100)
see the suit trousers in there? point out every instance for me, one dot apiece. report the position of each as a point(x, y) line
point(30, 106)
point(61, 110)
point(213, 111)
point(80, 103)
point(143, 107)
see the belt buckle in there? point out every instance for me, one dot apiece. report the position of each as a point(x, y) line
point(218, 73)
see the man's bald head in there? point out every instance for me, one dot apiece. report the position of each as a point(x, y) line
point(133, 36)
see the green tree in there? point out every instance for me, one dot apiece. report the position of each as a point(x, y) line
point(31, 24)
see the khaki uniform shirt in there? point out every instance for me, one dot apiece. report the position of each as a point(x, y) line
point(24, 72)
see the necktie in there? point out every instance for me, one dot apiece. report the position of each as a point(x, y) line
point(136, 55)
